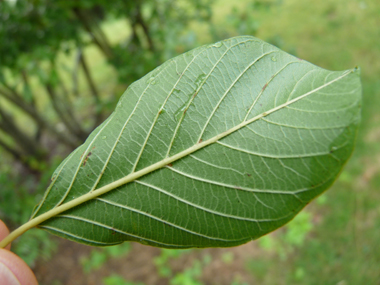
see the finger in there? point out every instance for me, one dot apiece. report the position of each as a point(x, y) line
point(13, 270)
point(3, 233)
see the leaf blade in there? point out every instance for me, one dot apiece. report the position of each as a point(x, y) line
point(162, 171)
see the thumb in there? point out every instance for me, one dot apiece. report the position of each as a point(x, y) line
point(13, 270)
point(3, 233)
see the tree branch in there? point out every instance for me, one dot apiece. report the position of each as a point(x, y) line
point(94, 91)
point(104, 47)
point(32, 112)
point(70, 125)
point(18, 156)
point(27, 143)
point(140, 20)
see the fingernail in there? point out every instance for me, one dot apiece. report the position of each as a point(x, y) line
point(6, 276)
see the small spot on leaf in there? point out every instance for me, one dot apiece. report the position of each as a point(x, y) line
point(87, 156)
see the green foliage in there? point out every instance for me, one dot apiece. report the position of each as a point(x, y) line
point(293, 237)
point(228, 257)
point(191, 275)
point(298, 229)
point(15, 201)
point(99, 257)
point(94, 261)
point(162, 261)
point(118, 280)
point(33, 29)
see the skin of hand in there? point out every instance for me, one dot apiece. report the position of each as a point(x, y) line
point(13, 270)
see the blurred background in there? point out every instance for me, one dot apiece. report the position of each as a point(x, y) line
point(63, 66)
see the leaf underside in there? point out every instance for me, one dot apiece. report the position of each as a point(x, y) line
point(214, 148)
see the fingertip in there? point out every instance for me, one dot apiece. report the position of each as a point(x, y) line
point(13, 269)
point(3, 233)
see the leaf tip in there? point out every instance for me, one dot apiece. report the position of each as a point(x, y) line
point(356, 70)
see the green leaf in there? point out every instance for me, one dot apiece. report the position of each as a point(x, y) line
point(214, 148)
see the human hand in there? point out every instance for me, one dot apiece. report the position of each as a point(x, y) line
point(13, 270)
